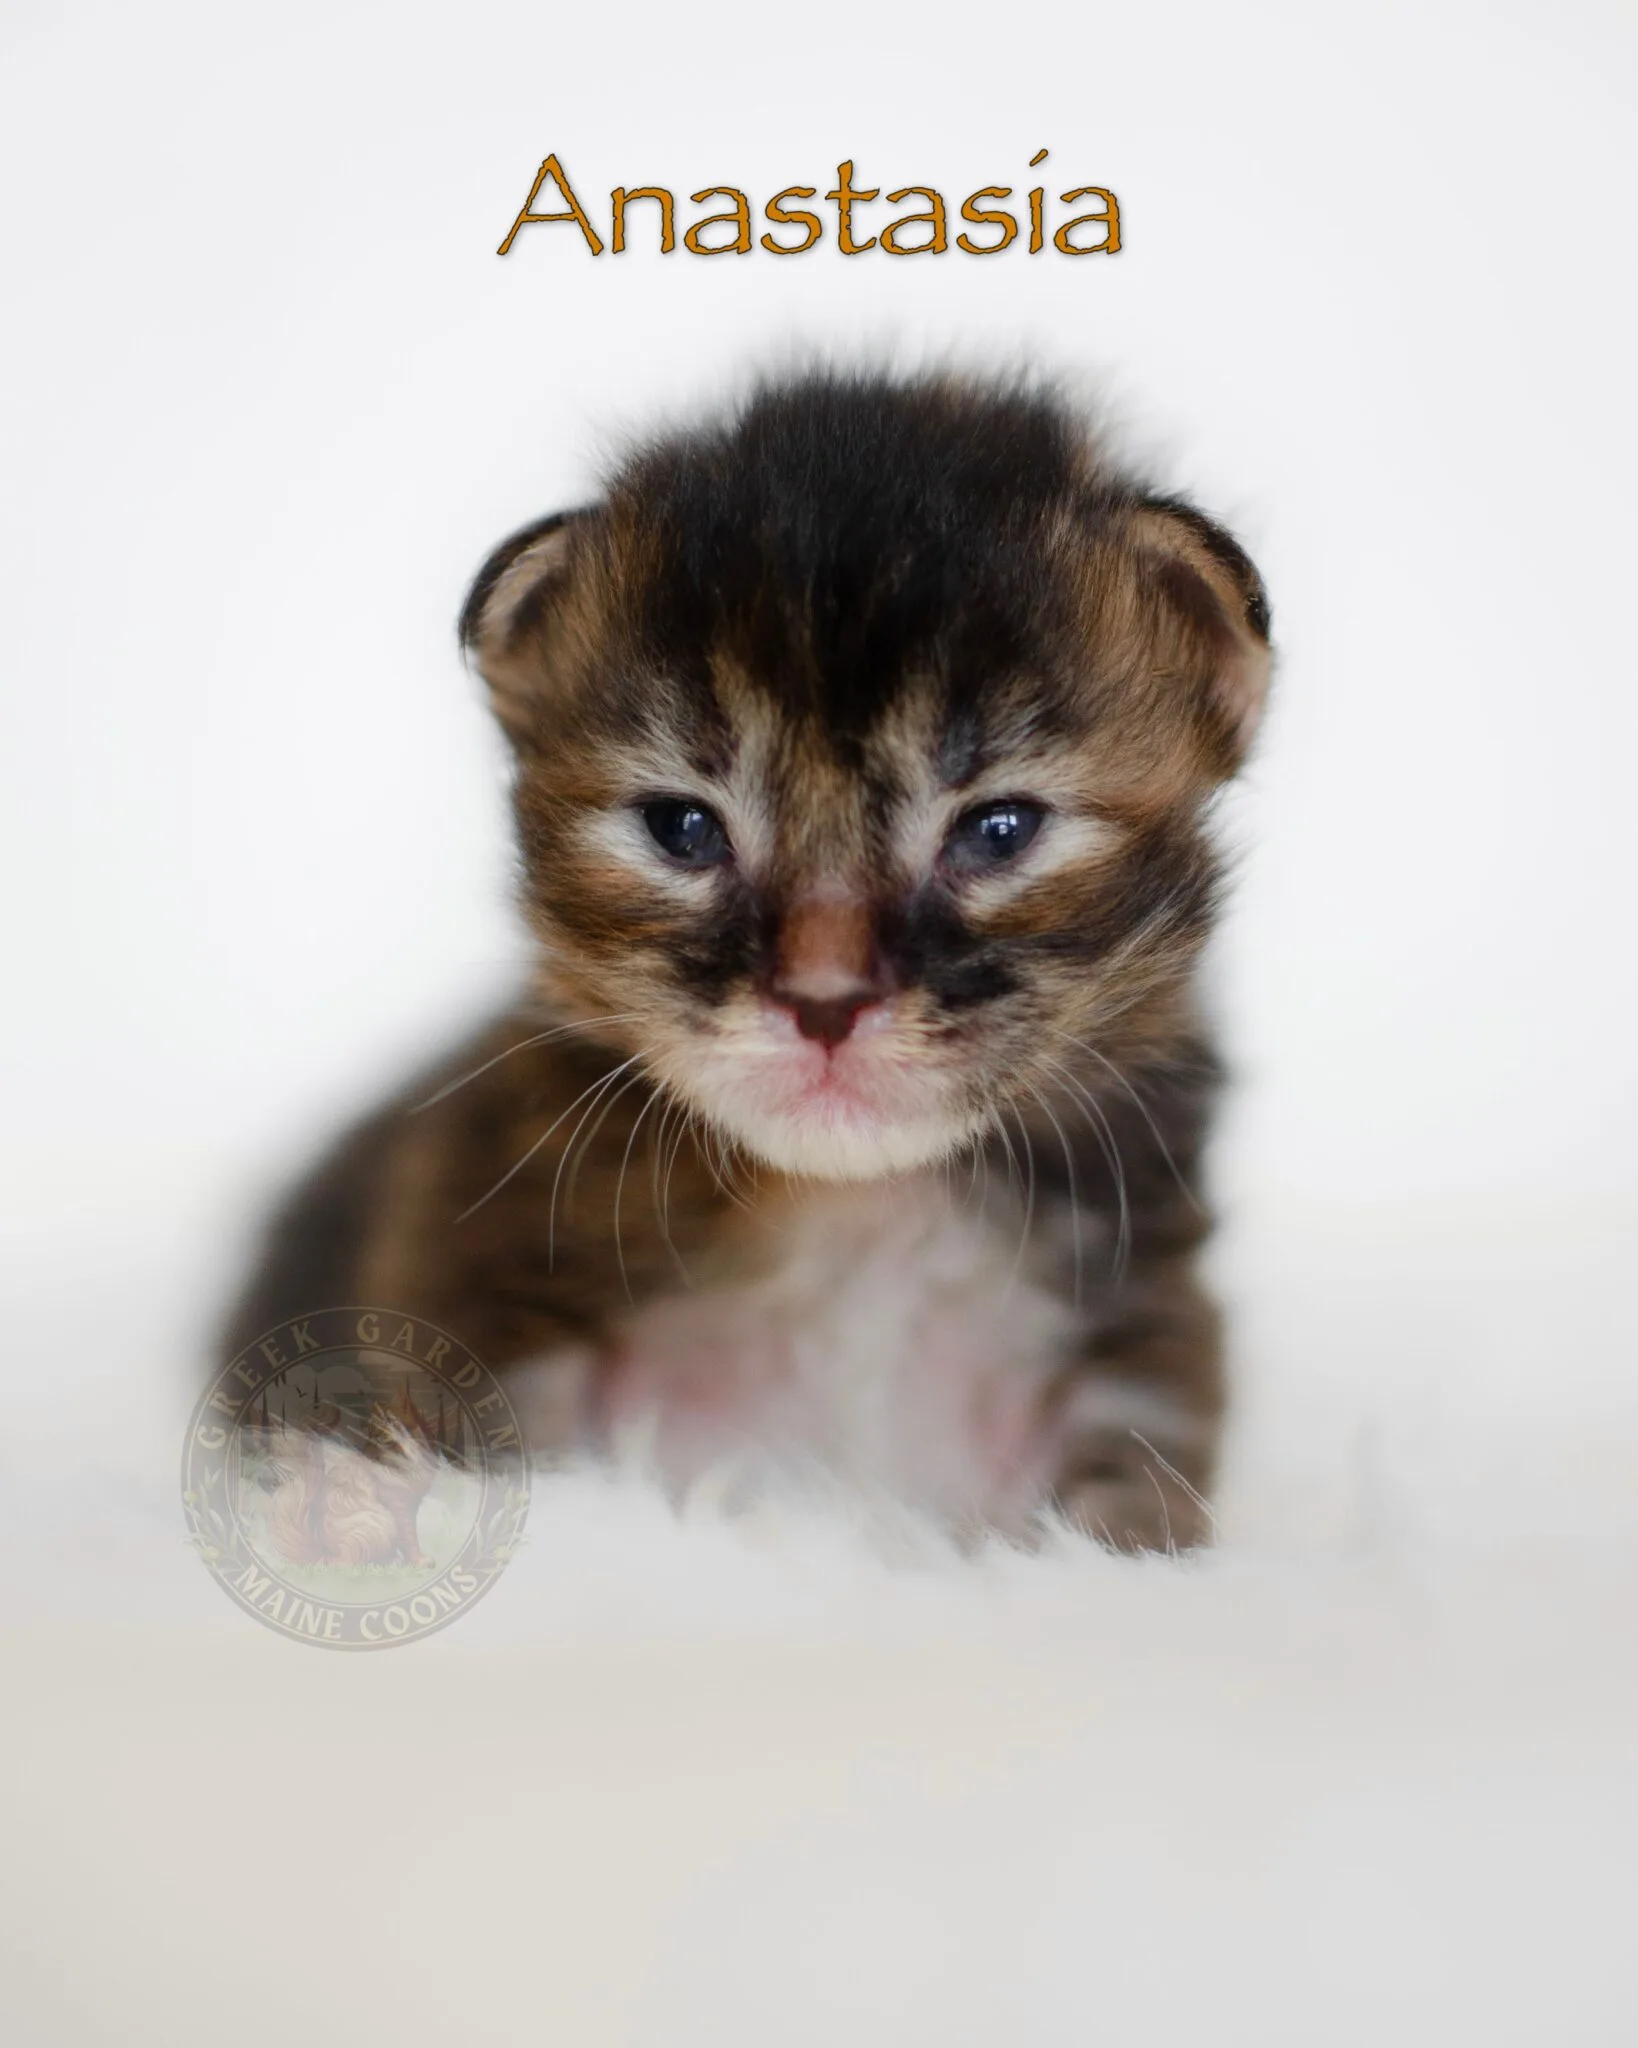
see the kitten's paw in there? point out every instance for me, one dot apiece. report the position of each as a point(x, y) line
point(1131, 1503)
point(1131, 1462)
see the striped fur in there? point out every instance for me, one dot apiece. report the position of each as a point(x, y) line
point(841, 622)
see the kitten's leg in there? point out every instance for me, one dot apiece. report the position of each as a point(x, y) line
point(553, 1396)
point(1134, 1424)
point(399, 1216)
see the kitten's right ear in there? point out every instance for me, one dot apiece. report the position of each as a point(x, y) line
point(504, 622)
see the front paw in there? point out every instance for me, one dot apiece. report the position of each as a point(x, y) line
point(1132, 1467)
point(1133, 1504)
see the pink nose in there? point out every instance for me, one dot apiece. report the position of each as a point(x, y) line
point(830, 1020)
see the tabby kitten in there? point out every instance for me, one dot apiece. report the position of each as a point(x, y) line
point(864, 743)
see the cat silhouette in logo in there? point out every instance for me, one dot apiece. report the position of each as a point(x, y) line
point(337, 1503)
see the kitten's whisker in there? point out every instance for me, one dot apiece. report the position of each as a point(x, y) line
point(977, 1147)
point(1105, 1134)
point(1014, 1177)
point(590, 1138)
point(729, 1152)
point(657, 1151)
point(1074, 1195)
point(1143, 1111)
point(619, 1188)
point(1141, 940)
point(1029, 1200)
point(683, 1134)
point(702, 1144)
point(574, 1162)
point(702, 1132)
point(536, 1038)
point(1172, 1472)
point(516, 1169)
point(679, 1133)
point(595, 1091)
point(663, 1144)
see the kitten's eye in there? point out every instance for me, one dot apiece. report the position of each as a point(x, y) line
point(991, 835)
point(687, 831)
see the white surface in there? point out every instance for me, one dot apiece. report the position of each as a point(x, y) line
point(805, 1780)
point(269, 395)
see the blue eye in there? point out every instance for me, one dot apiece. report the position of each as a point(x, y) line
point(991, 835)
point(688, 832)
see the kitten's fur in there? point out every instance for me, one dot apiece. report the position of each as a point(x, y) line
point(840, 1146)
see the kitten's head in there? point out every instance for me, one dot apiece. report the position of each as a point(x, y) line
point(863, 742)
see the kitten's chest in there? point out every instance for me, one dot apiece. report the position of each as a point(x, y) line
point(897, 1335)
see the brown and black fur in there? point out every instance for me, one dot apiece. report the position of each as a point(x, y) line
point(863, 598)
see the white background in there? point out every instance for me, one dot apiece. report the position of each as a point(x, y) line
point(270, 395)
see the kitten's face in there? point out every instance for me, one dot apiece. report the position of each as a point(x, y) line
point(861, 817)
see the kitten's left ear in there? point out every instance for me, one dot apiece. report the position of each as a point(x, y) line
point(1209, 585)
point(504, 622)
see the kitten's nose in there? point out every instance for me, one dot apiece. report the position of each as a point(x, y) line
point(829, 1022)
point(828, 969)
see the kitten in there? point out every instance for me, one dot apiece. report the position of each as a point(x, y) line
point(864, 741)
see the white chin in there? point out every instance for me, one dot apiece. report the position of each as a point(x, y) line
point(843, 1149)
